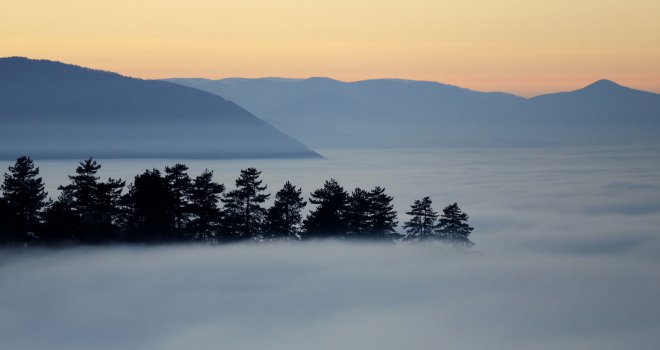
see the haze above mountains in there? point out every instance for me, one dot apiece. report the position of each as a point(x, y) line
point(326, 113)
point(54, 110)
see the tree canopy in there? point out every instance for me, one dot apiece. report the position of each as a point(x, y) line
point(172, 206)
point(453, 227)
point(284, 218)
point(244, 211)
point(422, 220)
point(24, 197)
point(329, 217)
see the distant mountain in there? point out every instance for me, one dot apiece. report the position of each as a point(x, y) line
point(402, 113)
point(54, 110)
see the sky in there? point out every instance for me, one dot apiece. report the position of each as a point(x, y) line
point(523, 46)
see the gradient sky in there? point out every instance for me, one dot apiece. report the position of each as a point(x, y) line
point(522, 46)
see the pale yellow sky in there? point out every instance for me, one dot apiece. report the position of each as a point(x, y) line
point(521, 46)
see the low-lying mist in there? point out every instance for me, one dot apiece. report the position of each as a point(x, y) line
point(329, 295)
point(566, 257)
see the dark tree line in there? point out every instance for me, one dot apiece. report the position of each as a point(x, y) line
point(172, 206)
point(452, 227)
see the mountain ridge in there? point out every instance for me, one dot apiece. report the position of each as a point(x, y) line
point(409, 113)
point(52, 109)
point(598, 83)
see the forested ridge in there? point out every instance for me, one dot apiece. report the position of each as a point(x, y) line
point(173, 206)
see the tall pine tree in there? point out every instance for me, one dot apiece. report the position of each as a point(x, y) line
point(284, 217)
point(358, 214)
point(179, 185)
point(453, 227)
point(108, 205)
point(24, 196)
point(244, 213)
point(422, 220)
point(383, 217)
point(204, 197)
point(92, 205)
point(81, 193)
point(150, 209)
point(328, 219)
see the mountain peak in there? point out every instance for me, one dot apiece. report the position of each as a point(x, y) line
point(603, 84)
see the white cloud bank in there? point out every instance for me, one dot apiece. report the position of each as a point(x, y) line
point(569, 242)
point(327, 295)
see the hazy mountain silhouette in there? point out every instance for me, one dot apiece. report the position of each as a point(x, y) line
point(402, 113)
point(53, 110)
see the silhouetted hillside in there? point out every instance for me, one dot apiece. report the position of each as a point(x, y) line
point(55, 110)
point(401, 113)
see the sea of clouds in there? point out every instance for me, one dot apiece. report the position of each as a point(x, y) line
point(567, 256)
point(326, 295)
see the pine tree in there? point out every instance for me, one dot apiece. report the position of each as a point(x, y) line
point(179, 185)
point(93, 205)
point(453, 227)
point(150, 208)
point(24, 196)
point(382, 214)
point(82, 191)
point(328, 219)
point(284, 217)
point(422, 221)
point(204, 197)
point(358, 214)
point(107, 206)
point(62, 221)
point(243, 206)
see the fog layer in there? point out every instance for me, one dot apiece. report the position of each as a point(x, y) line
point(566, 257)
point(326, 295)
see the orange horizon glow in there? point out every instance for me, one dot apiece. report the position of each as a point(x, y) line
point(523, 47)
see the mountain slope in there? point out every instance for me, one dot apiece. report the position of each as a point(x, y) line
point(404, 113)
point(55, 110)
point(602, 99)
